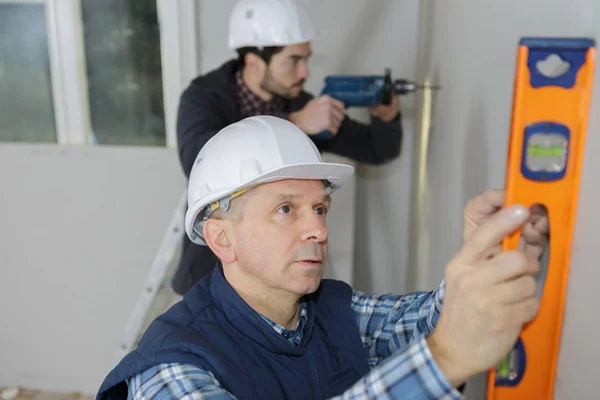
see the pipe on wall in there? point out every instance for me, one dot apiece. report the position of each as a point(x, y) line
point(418, 239)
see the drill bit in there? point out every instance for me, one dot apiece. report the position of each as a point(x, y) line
point(404, 86)
point(435, 87)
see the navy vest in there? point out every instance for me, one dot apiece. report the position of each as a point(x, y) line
point(215, 329)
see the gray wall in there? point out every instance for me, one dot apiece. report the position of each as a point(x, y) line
point(473, 57)
point(80, 229)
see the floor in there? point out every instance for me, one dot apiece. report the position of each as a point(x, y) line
point(22, 394)
point(164, 298)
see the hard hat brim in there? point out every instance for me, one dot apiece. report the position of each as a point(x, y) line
point(337, 174)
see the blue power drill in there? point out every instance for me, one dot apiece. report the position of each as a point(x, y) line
point(366, 91)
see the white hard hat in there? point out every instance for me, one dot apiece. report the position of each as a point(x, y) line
point(260, 23)
point(247, 153)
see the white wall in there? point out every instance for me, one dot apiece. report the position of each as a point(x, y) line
point(80, 229)
point(473, 58)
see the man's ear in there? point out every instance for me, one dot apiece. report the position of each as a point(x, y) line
point(254, 62)
point(217, 239)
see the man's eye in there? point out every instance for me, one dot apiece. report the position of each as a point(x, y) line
point(285, 209)
point(321, 211)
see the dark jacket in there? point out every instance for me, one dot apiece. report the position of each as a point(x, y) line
point(208, 105)
point(214, 329)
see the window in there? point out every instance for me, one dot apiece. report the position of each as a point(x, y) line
point(94, 72)
point(26, 106)
point(124, 76)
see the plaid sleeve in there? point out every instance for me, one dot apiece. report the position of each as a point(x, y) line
point(409, 375)
point(388, 323)
point(176, 381)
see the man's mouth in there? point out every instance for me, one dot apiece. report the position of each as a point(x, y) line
point(314, 261)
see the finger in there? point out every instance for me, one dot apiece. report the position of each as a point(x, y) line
point(538, 210)
point(524, 311)
point(334, 121)
point(337, 104)
point(532, 236)
point(337, 121)
point(536, 218)
point(487, 202)
point(533, 247)
point(481, 207)
point(529, 249)
point(542, 225)
point(517, 290)
point(325, 98)
point(494, 251)
point(510, 265)
point(491, 232)
point(332, 127)
point(535, 252)
point(328, 102)
point(337, 115)
point(337, 125)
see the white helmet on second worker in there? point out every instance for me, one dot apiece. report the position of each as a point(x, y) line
point(260, 23)
point(247, 153)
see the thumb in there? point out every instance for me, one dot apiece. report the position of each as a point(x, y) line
point(491, 232)
point(324, 98)
point(338, 104)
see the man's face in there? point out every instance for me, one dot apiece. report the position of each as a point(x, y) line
point(287, 71)
point(281, 240)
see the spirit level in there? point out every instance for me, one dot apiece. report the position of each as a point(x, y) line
point(545, 154)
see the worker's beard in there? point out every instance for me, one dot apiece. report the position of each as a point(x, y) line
point(276, 88)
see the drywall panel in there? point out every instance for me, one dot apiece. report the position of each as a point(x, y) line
point(80, 229)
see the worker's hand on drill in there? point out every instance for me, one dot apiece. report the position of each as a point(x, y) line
point(535, 234)
point(487, 299)
point(323, 113)
point(387, 112)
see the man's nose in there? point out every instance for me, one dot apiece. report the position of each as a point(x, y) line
point(315, 229)
point(302, 70)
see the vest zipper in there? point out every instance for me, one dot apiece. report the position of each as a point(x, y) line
point(316, 378)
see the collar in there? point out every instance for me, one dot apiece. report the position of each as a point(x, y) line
point(293, 335)
point(251, 324)
point(250, 104)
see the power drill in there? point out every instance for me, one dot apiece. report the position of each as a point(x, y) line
point(366, 91)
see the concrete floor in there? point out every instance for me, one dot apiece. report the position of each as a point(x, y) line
point(22, 394)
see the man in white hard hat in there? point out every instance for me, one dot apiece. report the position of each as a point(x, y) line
point(273, 42)
point(265, 325)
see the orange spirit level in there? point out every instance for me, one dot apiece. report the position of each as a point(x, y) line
point(545, 154)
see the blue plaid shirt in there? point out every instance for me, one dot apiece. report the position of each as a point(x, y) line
point(393, 329)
